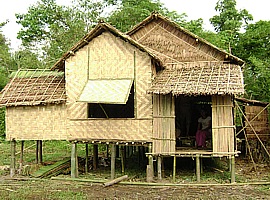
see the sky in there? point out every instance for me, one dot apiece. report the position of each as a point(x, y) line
point(195, 9)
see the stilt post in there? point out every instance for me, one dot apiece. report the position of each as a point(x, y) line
point(21, 157)
point(13, 158)
point(232, 169)
point(198, 173)
point(113, 156)
point(150, 166)
point(86, 158)
point(74, 161)
point(159, 164)
point(174, 167)
point(95, 156)
point(40, 157)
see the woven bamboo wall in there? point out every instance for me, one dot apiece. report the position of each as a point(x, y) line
point(172, 44)
point(222, 124)
point(163, 124)
point(260, 124)
point(46, 122)
point(107, 57)
point(110, 129)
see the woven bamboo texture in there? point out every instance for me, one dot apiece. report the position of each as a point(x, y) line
point(34, 87)
point(163, 124)
point(222, 124)
point(199, 78)
point(110, 129)
point(260, 124)
point(172, 43)
point(36, 122)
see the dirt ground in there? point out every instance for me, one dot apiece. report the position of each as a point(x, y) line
point(54, 189)
point(25, 188)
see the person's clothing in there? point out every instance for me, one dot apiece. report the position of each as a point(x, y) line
point(201, 138)
point(204, 122)
point(203, 132)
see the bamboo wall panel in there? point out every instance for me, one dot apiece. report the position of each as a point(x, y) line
point(46, 122)
point(173, 44)
point(110, 129)
point(260, 123)
point(76, 78)
point(222, 124)
point(163, 124)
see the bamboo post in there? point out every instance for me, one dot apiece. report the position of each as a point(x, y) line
point(86, 158)
point(198, 176)
point(150, 166)
point(159, 163)
point(123, 159)
point(113, 156)
point(174, 167)
point(95, 156)
point(13, 158)
point(21, 157)
point(74, 161)
point(40, 157)
point(37, 147)
point(232, 169)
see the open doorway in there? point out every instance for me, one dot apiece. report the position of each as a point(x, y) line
point(187, 112)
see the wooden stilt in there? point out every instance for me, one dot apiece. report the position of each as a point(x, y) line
point(13, 158)
point(86, 158)
point(201, 165)
point(113, 156)
point(174, 168)
point(95, 156)
point(159, 164)
point(123, 159)
point(150, 166)
point(74, 161)
point(107, 150)
point(21, 157)
point(40, 156)
point(198, 175)
point(37, 150)
point(232, 169)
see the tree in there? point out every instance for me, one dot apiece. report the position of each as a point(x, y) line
point(229, 21)
point(55, 28)
point(254, 47)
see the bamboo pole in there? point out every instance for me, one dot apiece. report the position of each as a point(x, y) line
point(86, 158)
point(40, 158)
point(123, 159)
point(232, 169)
point(160, 184)
point(174, 168)
point(247, 143)
point(37, 147)
point(114, 181)
point(13, 158)
point(198, 176)
point(21, 157)
point(95, 156)
point(150, 166)
point(113, 156)
point(159, 167)
point(254, 131)
point(74, 161)
point(252, 118)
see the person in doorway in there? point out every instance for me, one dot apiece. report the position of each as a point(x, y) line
point(204, 129)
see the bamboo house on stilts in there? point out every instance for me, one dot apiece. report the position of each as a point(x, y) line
point(142, 88)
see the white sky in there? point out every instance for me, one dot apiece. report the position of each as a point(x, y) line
point(193, 8)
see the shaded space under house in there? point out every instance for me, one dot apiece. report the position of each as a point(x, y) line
point(133, 89)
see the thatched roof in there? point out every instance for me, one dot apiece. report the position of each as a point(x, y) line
point(205, 78)
point(175, 44)
point(96, 31)
point(34, 87)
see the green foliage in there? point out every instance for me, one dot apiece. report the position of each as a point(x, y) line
point(229, 22)
point(2, 122)
point(254, 47)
